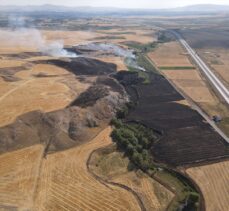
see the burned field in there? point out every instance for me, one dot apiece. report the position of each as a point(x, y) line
point(185, 137)
point(206, 37)
point(84, 66)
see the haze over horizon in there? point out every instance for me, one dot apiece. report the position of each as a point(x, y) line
point(149, 4)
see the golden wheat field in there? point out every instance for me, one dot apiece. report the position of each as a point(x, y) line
point(32, 93)
point(147, 189)
point(19, 171)
point(170, 54)
point(218, 60)
point(116, 60)
point(213, 181)
point(113, 166)
point(66, 184)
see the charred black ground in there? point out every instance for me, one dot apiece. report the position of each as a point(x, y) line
point(187, 138)
point(84, 66)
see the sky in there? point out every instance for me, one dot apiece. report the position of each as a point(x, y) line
point(116, 3)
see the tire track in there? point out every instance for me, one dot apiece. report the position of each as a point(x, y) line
point(107, 183)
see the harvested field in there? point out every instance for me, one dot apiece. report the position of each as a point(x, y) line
point(187, 80)
point(31, 94)
point(72, 125)
point(141, 36)
point(111, 165)
point(4, 63)
point(200, 38)
point(190, 82)
point(213, 181)
point(179, 124)
point(71, 37)
point(217, 59)
point(170, 54)
point(116, 60)
point(66, 184)
point(154, 196)
point(182, 75)
point(19, 171)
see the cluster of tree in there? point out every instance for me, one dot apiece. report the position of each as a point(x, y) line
point(164, 36)
point(135, 140)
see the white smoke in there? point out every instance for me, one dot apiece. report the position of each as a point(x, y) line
point(109, 48)
point(56, 49)
point(19, 35)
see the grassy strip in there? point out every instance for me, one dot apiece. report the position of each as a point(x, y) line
point(224, 125)
point(144, 48)
point(178, 68)
point(144, 62)
point(163, 37)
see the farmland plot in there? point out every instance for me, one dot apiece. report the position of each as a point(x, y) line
point(66, 184)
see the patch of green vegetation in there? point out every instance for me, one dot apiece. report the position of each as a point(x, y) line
point(141, 74)
point(145, 63)
point(103, 159)
point(224, 125)
point(135, 140)
point(178, 68)
point(144, 48)
point(184, 190)
point(164, 36)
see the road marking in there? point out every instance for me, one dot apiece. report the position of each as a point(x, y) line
point(219, 86)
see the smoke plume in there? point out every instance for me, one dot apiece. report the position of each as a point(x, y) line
point(21, 35)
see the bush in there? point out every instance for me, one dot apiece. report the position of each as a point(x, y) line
point(121, 114)
point(116, 122)
point(135, 140)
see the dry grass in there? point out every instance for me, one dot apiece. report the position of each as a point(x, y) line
point(71, 37)
point(140, 36)
point(112, 165)
point(190, 82)
point(169, 55)
point(35, 93)
point(218, 59)
point(19, 172)
point(154, 196)
point(11, 63)
point(66, 184)
point(116, 60)
point(45, 94)
point(213, 181)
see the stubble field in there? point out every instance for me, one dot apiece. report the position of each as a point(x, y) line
point(19, 172)
point(213, 181)
point(66, 184)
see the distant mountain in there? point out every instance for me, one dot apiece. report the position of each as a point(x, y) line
point(201, 8)
point(204, 8)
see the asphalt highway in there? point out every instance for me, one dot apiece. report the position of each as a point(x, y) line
point(218, 85)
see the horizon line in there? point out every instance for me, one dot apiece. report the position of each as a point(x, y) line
point(107, 7)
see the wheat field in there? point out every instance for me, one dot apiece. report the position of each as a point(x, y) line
point(213, 181)
point(19, 171)
point(66, 184)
